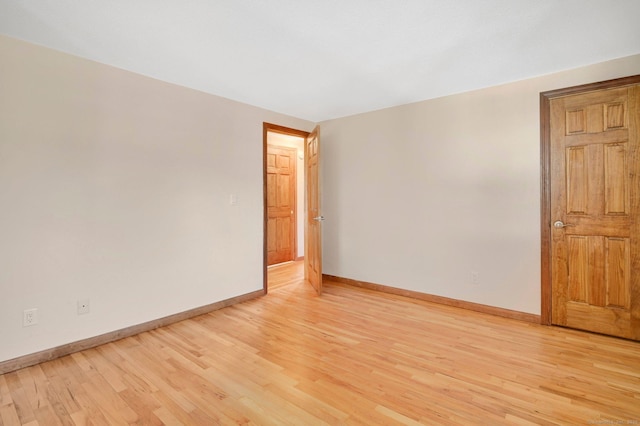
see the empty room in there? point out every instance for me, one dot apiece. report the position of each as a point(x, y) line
point(319, 212)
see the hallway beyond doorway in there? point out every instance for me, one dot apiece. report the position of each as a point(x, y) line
point(284, 274)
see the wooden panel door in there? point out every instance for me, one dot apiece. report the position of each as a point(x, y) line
point(281, 204)
point(595, 209)
point(313, 222)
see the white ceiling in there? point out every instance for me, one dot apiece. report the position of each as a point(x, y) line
point(322, 59)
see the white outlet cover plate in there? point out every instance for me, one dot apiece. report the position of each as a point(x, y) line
point(30, 317)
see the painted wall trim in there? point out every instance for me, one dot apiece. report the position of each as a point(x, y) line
point(92, 342)
point(476, 307)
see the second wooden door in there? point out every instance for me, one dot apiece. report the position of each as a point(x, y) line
point(595, 211)
point(281, 204)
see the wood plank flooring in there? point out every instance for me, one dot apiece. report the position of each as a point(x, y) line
point(284, 274)
point(352, 356)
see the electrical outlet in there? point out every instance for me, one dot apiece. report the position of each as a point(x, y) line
point(83, 306)
point(475, 278)
point(29, 317)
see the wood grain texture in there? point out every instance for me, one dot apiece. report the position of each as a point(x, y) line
point(313, 197)
point(476, 307)
point(352, 356)
point(281, 204)
point(285, 273)
point(60, 351)
point(591, 193)
point(545, 179)
point(634, 182)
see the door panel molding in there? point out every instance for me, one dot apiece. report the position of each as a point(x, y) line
point(313, 217)
point(545, 179)
point(282, 207)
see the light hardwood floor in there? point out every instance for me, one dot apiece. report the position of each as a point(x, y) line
point(285, 274)
point(352, 356)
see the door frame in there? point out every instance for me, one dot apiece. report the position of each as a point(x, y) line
point(546, 288)
point(273, 128)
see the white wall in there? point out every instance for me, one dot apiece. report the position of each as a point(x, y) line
point(116, 187)
point(420, 195)
point(297, 143)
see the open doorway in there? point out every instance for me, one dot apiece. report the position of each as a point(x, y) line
point(284, 197)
